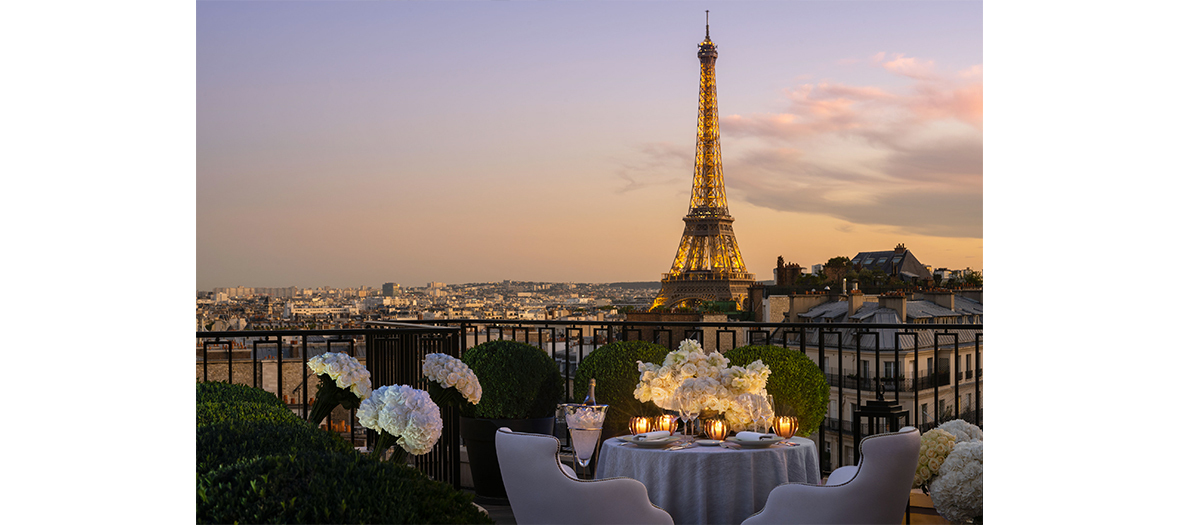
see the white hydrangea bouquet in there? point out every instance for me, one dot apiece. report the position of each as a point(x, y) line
point(950, 469)
point(403, 413)
point(710, 384)
point(450, 381)
point(343, 381)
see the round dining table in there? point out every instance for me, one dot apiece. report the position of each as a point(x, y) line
point(710, 484)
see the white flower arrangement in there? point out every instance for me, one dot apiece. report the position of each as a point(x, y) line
point(950, 469)
point(936, 444)
point(343, 381)
point(712, 385)
point(344, 370)
point(957, 491)
point(403, 412)
point(449, 372)
point(962, 430)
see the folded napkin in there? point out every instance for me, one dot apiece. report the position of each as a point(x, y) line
point(652, 435)
point(754, 436)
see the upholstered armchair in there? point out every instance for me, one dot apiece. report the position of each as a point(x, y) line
point(874, 491)
point(542, 490)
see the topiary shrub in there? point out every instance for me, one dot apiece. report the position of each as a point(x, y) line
point(222, 392)
point(615, 372)
point(208, 413)
point(795, 382)
point(229, 441)
point(519, 381)
point(326, 487)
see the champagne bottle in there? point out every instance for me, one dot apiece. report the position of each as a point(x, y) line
point(590, 395)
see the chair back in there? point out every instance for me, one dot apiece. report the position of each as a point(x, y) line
point(877, 493)
point(540, 491)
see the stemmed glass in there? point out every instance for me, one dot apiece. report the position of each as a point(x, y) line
point(764, 414)
point(688, 413)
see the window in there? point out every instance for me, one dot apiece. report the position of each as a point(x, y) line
point(941, 407)
point(968, 362)
point(968, 406)
point(929, 366)
point(925, 416)
point(891, 369)
point(864, 368)
point(869, 261)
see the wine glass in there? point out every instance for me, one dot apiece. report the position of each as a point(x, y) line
point(763, 413)
point(688, 413)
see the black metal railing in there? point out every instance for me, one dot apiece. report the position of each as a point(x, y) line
point(568, 342)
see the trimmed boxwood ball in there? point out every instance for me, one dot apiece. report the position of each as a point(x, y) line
point(208, 413)
point(615, 372)
point(226, 442)
point(222, 392)
point(519, 381)
point(795, 381)
point(327, 487)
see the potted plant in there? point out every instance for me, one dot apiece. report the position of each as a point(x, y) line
point(521, 388)
point(613, 367)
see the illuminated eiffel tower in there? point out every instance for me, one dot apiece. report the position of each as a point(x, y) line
point(708, 264)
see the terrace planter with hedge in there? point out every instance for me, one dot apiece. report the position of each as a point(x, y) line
point(615, 372)
point(521, 387)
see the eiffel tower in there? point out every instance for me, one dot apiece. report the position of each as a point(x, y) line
point(708, 265)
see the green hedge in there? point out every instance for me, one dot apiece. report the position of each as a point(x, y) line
point(615, 371)
point(795, 382)
point(519, 381)
point(222, 392)
point(326, 487)
point(208, 413)
point(229, 441)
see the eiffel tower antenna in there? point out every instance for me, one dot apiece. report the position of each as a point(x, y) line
point(708, 265)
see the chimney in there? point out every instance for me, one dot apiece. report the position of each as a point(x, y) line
point(900, 248)
point(856, 299)
point(895, 302)
point(943, 298)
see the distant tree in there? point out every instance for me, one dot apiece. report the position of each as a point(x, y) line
point(837, 268)
point(973, 278)
point(938, 279)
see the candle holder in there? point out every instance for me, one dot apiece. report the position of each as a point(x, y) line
point(785, 426)
point(640, 425)
point(716, 429)
point(666, 422)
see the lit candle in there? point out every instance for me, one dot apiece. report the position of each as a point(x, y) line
point(666, 422)
point(716, 429)
point(640, 424)
point(785, 426)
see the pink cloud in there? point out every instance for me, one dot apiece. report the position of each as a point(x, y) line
point(910, 67)
point(904, 152)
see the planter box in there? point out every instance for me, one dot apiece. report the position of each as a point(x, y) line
point(922, 510)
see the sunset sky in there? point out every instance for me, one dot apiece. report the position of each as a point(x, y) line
point(357, 143)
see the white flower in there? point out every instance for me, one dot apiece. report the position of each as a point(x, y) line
point(962, 430)
point(450, 372)
point(689, 363)
point(957, 491)
point(344, 370)
point(405, 412)
point(936, 444)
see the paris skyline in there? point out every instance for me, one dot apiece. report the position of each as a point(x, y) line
point(350, 144)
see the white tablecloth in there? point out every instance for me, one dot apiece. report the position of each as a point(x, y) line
point(713, 485)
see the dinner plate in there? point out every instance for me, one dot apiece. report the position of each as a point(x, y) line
point(650, 443)
point(708, 442)
point(761, 443)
